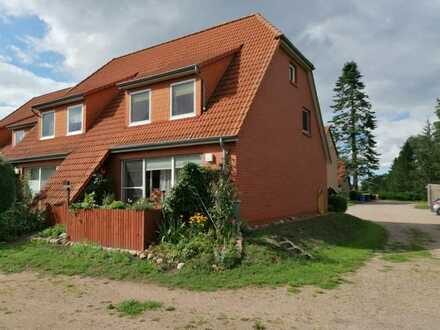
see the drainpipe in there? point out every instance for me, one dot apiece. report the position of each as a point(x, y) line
point(222, 146)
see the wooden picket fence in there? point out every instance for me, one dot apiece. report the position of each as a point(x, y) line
point(125, 229)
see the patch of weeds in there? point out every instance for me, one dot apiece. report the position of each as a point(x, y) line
point(170, 308)
point(293, 290)
point(398, 252)
point(386, 269)
point(133, 307)
point(422, 205)
point(417, 237)
point(258, 325)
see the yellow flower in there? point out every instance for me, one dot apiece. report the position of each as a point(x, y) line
point(198, 218)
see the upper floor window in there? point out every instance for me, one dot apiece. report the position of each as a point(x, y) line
point(306, 127)
point(140, 104)
point(292, 73)
point(48, 125)
point(183, 99)
point(18, 136)
point(75, 119)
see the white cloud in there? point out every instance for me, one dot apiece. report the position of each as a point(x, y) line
point(19, 85)
point(396, 46)
point(22, 55)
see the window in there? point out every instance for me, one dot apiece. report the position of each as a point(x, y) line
point(306, 121)
point(292, 73)
point(133, 183)
point(37, 177)
point(144, 176)
point(47, 125)
point(18, 136)
point(140, 104)
point(183, 99)
point(75, 119)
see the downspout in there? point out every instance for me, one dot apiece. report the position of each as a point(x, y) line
point(222, 146)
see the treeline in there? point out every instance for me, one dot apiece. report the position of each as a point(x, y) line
point(417, 164)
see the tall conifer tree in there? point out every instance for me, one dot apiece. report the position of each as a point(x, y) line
point(354, 122)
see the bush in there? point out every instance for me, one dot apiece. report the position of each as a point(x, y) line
point(87, 203)
point(141, 204)
point(20, 220)
point(117, 205)
point(402, 196)
point(354, 195)
point(101, 186)
point(7, 185)
point(54, 231)
point(337, 203)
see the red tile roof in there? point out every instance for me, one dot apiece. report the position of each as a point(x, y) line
point(24, 114)
point(224, 116)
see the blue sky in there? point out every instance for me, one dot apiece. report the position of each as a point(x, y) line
point(47, 45)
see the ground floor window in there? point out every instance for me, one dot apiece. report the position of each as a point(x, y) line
point(143, 177)
point(37, 177)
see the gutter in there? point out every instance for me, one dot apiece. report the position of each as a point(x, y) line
point(18, 126)
point(38, 158)
point(139, 82)
point(293, 51)
point(175, 144)
point(58, 102)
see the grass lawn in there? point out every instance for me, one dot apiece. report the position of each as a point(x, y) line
point(422, 205)
point(340, 243)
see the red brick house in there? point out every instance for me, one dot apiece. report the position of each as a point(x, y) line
point(239, 89)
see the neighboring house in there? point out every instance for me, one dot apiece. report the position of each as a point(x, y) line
point(239, 89)
point(336, 178)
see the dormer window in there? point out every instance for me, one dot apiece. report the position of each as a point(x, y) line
point(140, 105)
point(18, 136)
point(75, 119)
point(183, 99)
point(47, 125)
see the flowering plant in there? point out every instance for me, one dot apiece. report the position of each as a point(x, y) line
point(198, 218)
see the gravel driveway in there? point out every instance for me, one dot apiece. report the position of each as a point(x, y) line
point(381, 295)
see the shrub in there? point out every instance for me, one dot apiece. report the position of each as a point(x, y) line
point(54, 231)
point(20, 220)
point(402, 196)
point(337, 203)
point(354, 195)
point(117, 205)
point(100, 185)
point(141, 204)
point(7, 185)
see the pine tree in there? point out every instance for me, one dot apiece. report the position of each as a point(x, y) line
point(403, 173)
point(437, 123)
point(354, 121)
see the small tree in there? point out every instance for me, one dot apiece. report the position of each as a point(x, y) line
point(7, 185)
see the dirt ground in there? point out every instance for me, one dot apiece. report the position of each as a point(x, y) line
point(381, 295)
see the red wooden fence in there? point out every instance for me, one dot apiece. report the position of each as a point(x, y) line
point(125, 229)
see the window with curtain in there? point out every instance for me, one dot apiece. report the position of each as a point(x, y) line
point(75, 119)
point(182, 99)
point(19, 135)
point(158, 174)
point(132, 188)
point(37, 177)
point(139, 107)
point(47, 125)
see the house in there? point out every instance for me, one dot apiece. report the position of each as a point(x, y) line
point(336, 178)
point(240, 90)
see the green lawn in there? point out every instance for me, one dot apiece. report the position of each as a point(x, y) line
point(340, 243)
point(422, 205)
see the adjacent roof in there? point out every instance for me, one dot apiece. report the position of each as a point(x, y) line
point(24, 114)
point(253, 41)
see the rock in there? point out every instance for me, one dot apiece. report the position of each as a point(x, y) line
point(150, 256)
point(53, 241)
point(133, 253)
point(159, 261)
point(142, 255)
point(63, 235)
point(180, 265)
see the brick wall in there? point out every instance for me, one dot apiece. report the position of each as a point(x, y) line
point(280, 169)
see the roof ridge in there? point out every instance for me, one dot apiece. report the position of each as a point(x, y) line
point(188, 35)
point(263, 20)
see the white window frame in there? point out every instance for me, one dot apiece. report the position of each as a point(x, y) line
point(294, 78)
point(186, 115)
point(68, 118)
point(309, 121)
point(144, 177)
point(15, 136)
point(141, 122)
point(54, 125)
point(40, 169)
point(123, 186)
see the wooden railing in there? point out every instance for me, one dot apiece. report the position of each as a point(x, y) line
point(125, 229)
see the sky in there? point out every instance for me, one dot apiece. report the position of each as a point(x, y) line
point(49, 45)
